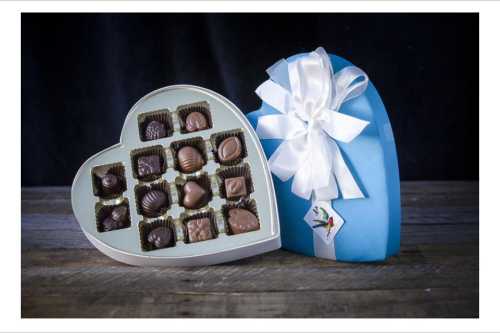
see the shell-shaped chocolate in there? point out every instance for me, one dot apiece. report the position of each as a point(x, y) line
point(110, 184)
point(160, 237)
point(229, 149)
point(196, 121)
point(190, 159)
point(119, 214)
point(155, 130)
point(108, 224)
point(153, 203)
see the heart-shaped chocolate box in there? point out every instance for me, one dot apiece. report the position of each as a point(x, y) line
point(94, 199)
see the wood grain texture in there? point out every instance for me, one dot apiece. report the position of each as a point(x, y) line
point(435, 275)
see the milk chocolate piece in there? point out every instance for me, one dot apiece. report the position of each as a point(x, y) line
point(241, 220)
point(195, 196)
point(190, 159)
point(199, 230)
point(161, 237)
point(229, 149)
point(154, 203)
point(235, 187)
point(155, 130)
point(148, 165)
point(110, 184)
point(196, 121)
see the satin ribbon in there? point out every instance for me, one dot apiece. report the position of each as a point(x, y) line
point(308, 96)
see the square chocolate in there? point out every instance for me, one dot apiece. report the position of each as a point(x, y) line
point(199, 230)
point(148, 165)
point(235, 187)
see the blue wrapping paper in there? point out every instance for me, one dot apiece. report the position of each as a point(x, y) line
point(371, 231)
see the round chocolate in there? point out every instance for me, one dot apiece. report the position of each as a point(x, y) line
point(155, 130)
point(229, 149)
point(160, 237)
point(196, 121)
point(190, 159)
point(110, 184)
point(241, 220)
point(119, 214)
point(194, 195)
point(153, 202)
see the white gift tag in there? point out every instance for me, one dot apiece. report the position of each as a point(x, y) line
point(324, 221)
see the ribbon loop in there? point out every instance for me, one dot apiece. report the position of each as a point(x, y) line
point(308, 96)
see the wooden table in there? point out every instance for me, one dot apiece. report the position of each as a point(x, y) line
point(436, 274)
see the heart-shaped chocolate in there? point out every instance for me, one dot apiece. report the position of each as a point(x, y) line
point(195, 196)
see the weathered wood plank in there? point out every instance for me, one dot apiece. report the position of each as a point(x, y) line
point(439, 302)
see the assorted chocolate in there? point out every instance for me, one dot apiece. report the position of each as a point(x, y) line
point(154, 203)
point(149, 165)
point(155, 130)
point(113, 218)
point(194, 192)
point(195, 196)
point(229, 149)
point(196, 121)
point(189, 159)
point(199, 229)
point(242, 220)
point(161, 237)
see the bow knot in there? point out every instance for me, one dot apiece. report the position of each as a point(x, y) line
point(308, 96)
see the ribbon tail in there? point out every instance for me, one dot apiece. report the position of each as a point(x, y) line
point(345, 180)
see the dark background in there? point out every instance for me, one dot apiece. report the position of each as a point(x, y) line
point(81, 73)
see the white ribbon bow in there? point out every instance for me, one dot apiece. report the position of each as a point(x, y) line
point(309, 95)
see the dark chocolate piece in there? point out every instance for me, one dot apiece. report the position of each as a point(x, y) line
point(119, 214)
point(194, 195)
point(155, 130)
point(153, 203)
point(116, 220)
point(110, 184)
point(199, 230)
point(241, 220)
point(161, 237)
point(229, 149)
point(196, 121)
point(235, 187)
point(148, 165)
point(190, 159)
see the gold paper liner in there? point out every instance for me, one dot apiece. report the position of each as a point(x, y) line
point(153, 150)
point(217, 138)
point(203, 180)
point(184, 110)
point(196, 142)
point(116, 169)
point(103, 211)
point(209, 214)
point(140, 191)
point(231, 172)
point(162, 116)
point(242, 203)
point(146, 227)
